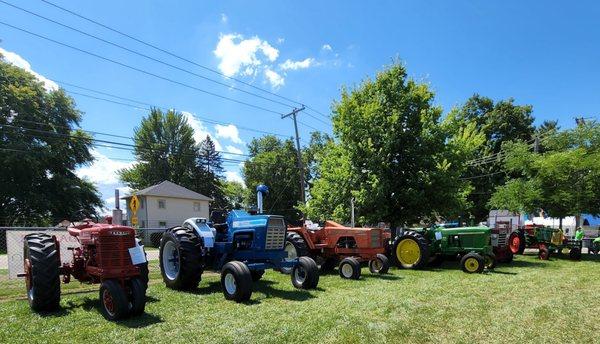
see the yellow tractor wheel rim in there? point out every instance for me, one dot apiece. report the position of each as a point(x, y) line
point(471, 264)
point(408, 252)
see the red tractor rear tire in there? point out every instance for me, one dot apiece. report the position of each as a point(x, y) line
point(295, 246)
point(379, 265)
point(113, 300)
point(42, 262)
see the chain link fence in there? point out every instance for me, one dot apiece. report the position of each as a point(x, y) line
point(11, 246)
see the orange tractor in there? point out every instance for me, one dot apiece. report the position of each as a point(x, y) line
point(334, 244)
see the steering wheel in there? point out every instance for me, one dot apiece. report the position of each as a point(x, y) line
point(83, 214)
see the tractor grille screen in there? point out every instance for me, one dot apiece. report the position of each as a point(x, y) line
point(375, 238)
point(275, 234)
point(113, 251)
point(502, 239)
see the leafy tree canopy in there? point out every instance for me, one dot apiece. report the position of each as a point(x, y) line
point(499, 122)
point(391, 154)
point(564, 180)
point(39, 152)
point(165, 150)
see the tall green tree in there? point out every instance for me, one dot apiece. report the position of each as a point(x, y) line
point(165, 150)
point(209, 174)
point(500, 122)
point(235, 194)
point(391, 155)
point(40, 148)
point(273, 162)
point(564, 180)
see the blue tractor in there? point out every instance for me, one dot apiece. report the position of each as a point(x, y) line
point(240, 245)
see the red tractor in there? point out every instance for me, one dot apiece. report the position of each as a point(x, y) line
point(334, 244)
point(500, 242)
point(108, 254)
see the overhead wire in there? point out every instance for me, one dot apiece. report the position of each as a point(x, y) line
point(158, 76)
point(147, 56)
point(155, 47)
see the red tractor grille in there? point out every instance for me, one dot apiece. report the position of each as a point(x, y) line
point(375, 238)
point(113, 251)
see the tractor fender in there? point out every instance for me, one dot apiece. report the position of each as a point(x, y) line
point(204, 231)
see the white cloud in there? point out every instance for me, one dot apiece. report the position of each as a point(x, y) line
point(228, 132)
point(326, 47)
point(235, 150)
point(295, 65)
point(280, 40)
point(274, 79)
point(17, 60)
point(234, 176)
point(103, 171)
point(224, 18)
point(200, 131)
point(236, 53)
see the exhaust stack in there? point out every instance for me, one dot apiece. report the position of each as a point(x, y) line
point(261, 191)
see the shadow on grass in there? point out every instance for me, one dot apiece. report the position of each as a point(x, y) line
point(140, 321)
point(388, 277)
point(89, 304)
point(265, 287)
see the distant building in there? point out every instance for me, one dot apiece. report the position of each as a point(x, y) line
point(167, 205)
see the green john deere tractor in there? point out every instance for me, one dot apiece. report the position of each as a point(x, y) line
point(415, 248)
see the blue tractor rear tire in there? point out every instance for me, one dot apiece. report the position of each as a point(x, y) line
point(181, 247)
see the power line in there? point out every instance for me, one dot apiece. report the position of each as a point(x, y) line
point(176, 56)
point(104, 143)
point(141, 70)
point(147, 56)
point(149, 106)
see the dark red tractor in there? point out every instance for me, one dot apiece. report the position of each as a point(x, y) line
point(500, 238)
point(107, 254)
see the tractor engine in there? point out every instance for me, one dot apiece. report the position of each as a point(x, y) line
point(104, 252)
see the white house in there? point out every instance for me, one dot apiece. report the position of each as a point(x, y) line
point(167, 205)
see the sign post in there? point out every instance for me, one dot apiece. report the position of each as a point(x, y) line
point(134, 205)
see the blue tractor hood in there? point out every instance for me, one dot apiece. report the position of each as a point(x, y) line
point(240, 219)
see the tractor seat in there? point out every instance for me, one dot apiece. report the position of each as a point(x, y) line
point(220, 227)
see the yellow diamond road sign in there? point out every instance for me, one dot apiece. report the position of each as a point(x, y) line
point(134, 204)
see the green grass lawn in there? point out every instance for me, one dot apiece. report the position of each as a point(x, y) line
point(529, 301)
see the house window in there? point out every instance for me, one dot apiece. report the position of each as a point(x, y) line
point(162, 224)
point(197, 206)
point(162, 204)
point(143, 224)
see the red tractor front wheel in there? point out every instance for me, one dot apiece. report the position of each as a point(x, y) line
point(516, 243)
point(113, 300)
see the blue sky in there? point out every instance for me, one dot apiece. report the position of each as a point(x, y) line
point(541, 53)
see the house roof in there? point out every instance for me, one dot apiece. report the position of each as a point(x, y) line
point(169, 189)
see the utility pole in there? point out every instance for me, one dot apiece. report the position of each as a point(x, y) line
point(352, 212)
point(300, 164)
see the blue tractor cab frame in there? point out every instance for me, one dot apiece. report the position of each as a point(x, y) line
point(241, 248)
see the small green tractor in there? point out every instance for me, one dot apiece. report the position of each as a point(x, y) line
point(547, 240)
point(415, 248)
